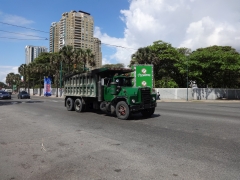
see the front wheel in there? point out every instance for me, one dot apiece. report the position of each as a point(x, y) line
point(122, 110)
point(148, 112)
point(69, 104)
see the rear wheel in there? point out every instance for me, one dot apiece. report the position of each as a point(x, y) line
point(78, 105)
point(148, 112)
point(122, 110)
point(69, 104)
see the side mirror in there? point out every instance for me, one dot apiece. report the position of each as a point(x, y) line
point(102, 81)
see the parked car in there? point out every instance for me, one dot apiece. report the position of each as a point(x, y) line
point(9, 91)
point(5, 95)
point(23, 95)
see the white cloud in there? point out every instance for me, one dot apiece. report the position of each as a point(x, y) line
point(16, 33)
point(13, 19)
point(105, 61)
point(4, 70)
point(184, 23)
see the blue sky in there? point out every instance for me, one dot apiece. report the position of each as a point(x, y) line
point(128, 23)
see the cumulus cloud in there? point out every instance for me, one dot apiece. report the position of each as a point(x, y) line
point(185, 23)
point(105, 61)
point(4, 70)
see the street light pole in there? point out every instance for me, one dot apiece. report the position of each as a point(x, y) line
point(61, 79)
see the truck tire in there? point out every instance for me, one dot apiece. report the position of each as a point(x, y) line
point(122, 110)
point(148, 112)
point(78, 105)
point(69, 104)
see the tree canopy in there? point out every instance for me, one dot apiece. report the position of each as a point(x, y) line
point(214, 66)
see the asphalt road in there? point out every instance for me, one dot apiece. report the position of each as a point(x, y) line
point(41, 140)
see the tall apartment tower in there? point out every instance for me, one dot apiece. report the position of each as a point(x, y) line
point(54, 37)
point(32, 52)
point(75, 29)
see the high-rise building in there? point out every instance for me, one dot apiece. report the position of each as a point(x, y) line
point(75, 28)
point(54, 37)
point(32, 52)
point(97, 51)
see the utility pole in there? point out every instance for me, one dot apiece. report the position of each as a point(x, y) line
point(61, 79)
point(187, 78)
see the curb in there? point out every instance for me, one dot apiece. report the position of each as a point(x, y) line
point(200, 101)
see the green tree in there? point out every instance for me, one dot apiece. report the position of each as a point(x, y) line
point(40, 71)
point(163, 57)
point(55, 62)
point(215, 66)
point(43, 58)
point(10, 79)
point(88, 58)
point(67, 52)
point(3, 85)
point(77, 60)
point(23, 72)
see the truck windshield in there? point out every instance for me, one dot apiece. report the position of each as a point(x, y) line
point(123, 81)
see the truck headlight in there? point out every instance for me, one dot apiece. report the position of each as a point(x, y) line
point(153, 98)
point(133, 101)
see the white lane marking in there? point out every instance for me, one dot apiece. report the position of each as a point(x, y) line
point(54, 101)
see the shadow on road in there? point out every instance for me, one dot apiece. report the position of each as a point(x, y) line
point(139, 117)
point(133, 117)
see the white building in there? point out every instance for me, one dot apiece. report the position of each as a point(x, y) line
point(31, 52)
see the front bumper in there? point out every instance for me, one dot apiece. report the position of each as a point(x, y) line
point(5, 97)
point(25, 97)
point(142, 106)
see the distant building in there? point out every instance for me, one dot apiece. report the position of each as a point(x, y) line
point(54, 37)
point(32, 52)
point(97, 51)
point(75, 29)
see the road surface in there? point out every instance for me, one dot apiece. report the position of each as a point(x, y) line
point(40, 139)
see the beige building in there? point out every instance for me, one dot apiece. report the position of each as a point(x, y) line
point(75, 28)
point(54, 37)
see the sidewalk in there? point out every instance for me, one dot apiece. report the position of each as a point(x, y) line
point(209, 101)
point(52, 96)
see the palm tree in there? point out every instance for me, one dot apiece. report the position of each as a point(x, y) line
point(39, 70)
point(88, 57)
point(17, 78)
point(33, 72)
point(22, 71)
point(66, 52)
point(77, 58)
point(10, 79)
point(55, 62)
point(28, 74)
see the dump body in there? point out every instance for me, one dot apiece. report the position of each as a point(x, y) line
point(110, 90)
point(84, 85)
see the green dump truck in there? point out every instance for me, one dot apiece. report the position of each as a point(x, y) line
point(110, 90)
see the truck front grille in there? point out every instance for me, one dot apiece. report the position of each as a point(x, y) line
point(146, 95)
